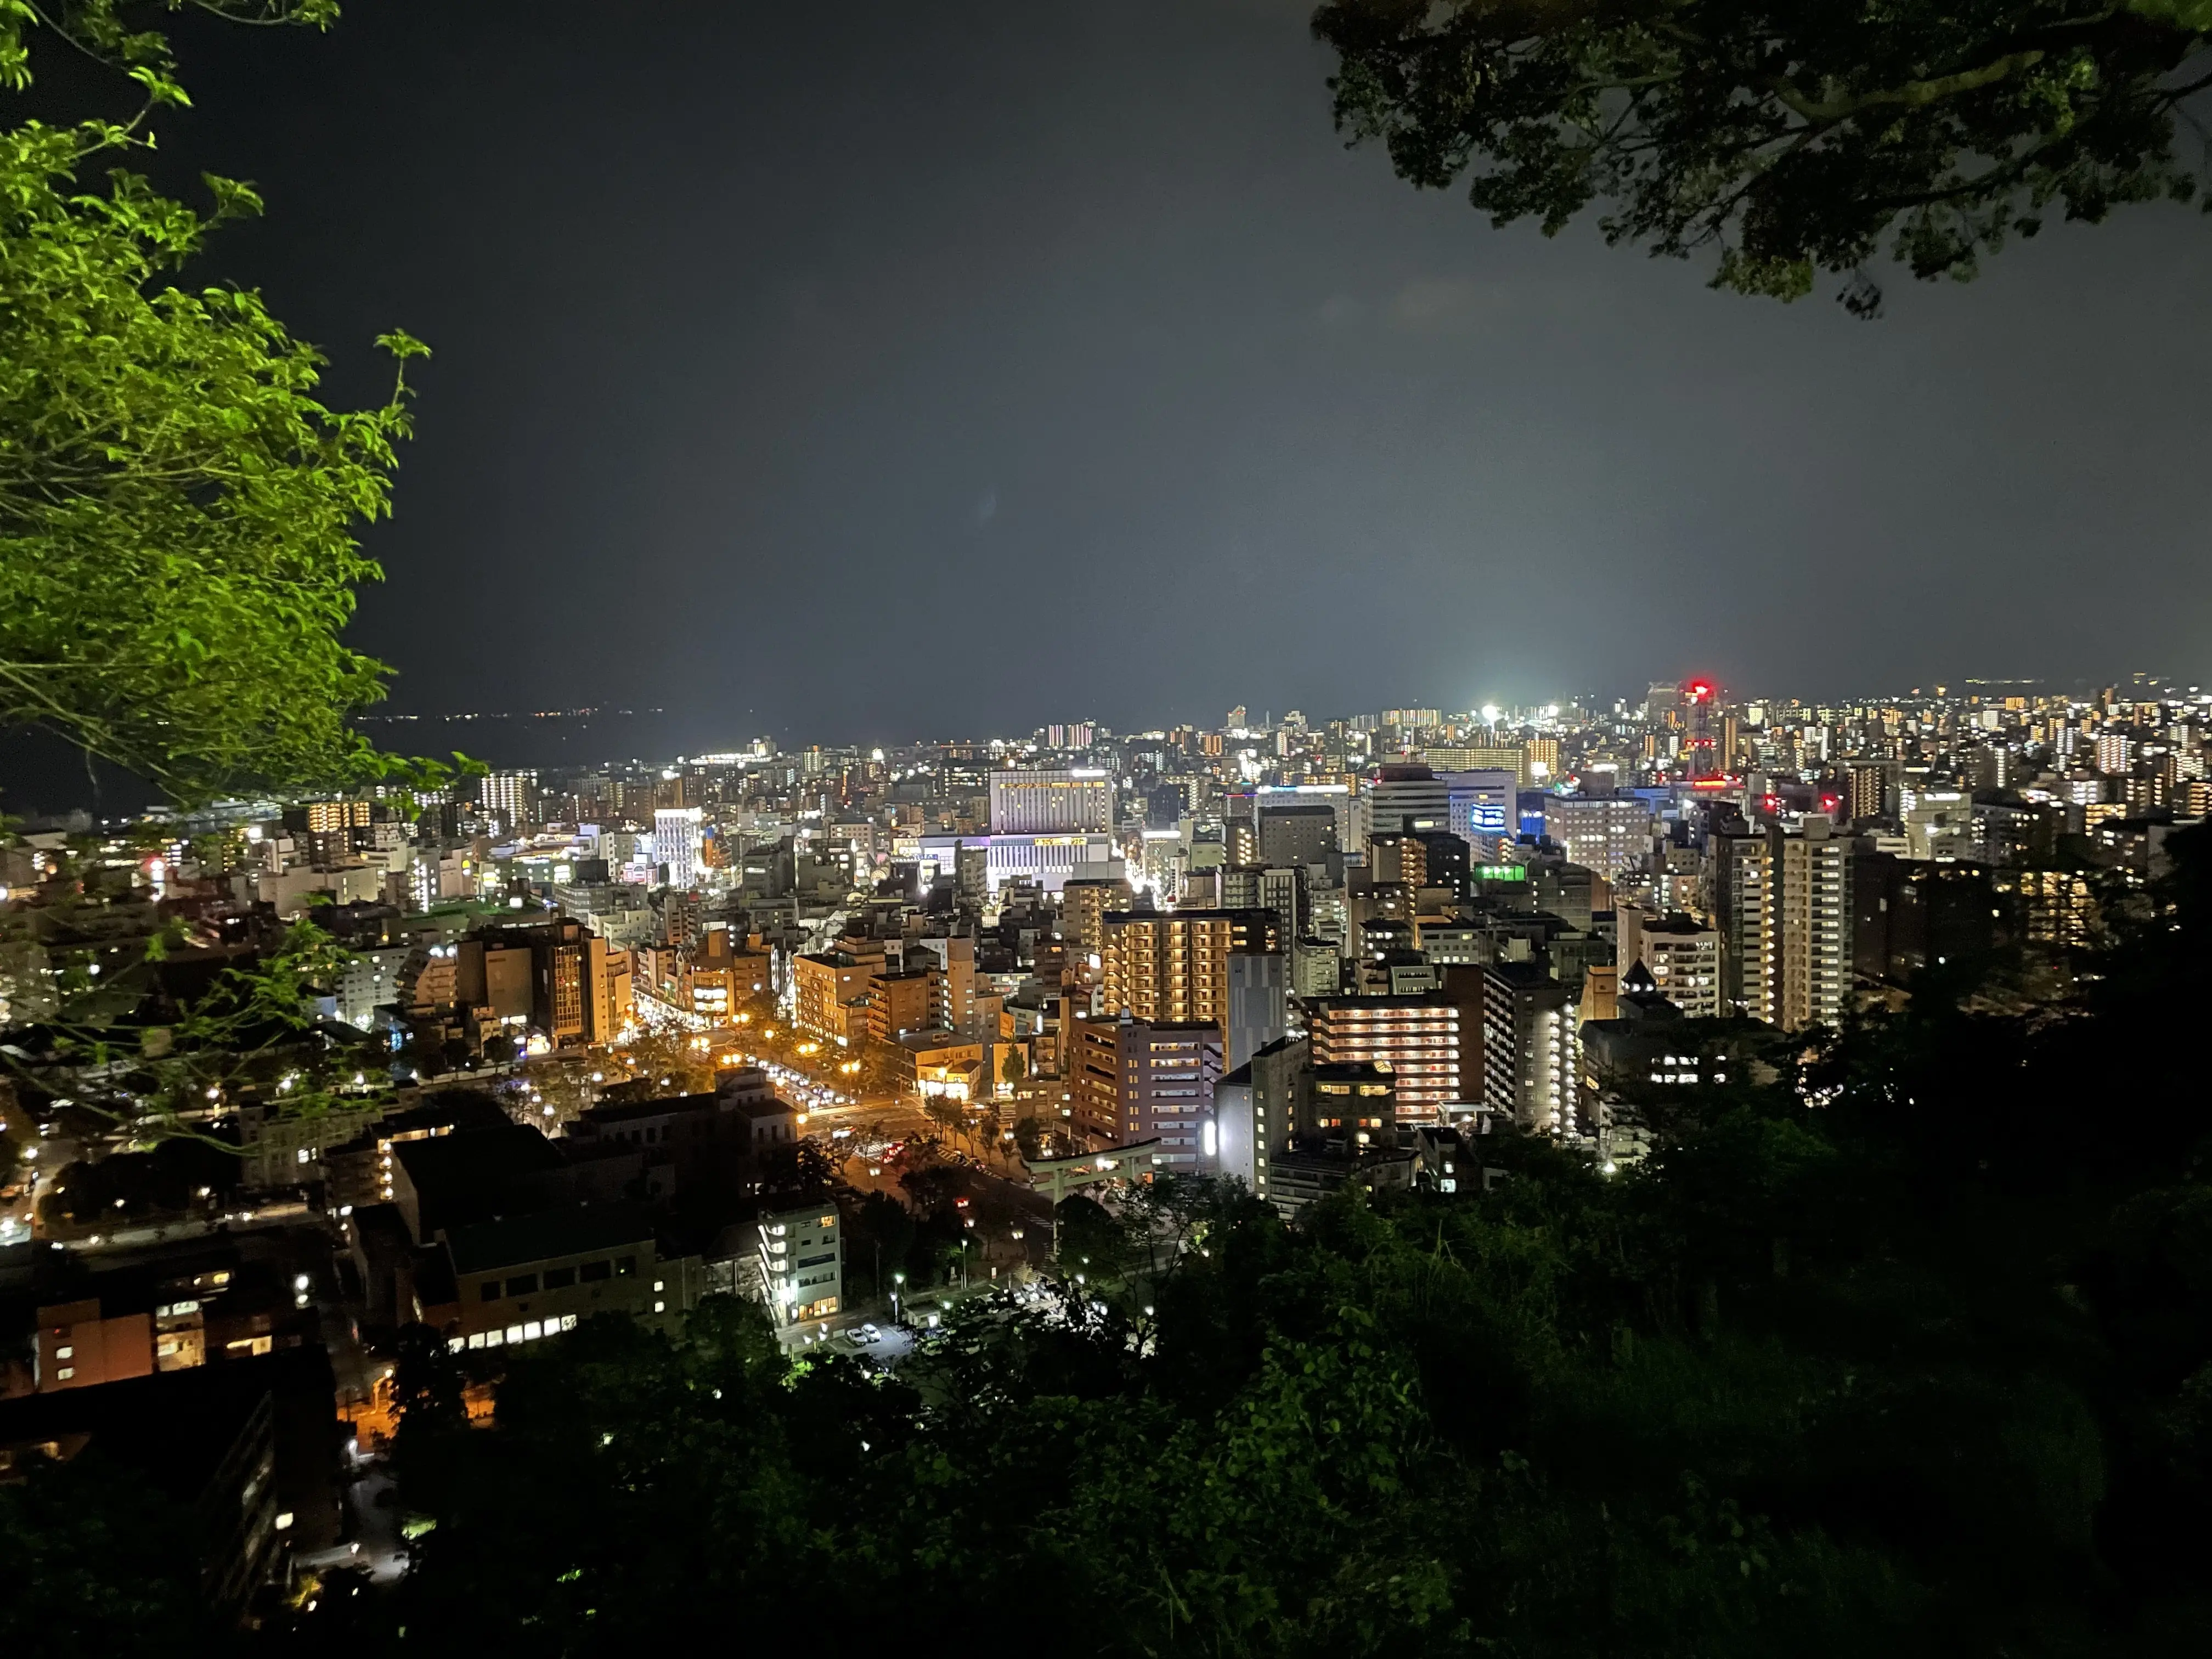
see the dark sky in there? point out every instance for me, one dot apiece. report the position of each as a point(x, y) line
point(877, 370)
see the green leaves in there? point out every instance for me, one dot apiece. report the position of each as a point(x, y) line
point(178, 512)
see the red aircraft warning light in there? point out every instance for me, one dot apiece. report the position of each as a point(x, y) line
point(1700, 691)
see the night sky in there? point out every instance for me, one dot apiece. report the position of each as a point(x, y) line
point(876, 371)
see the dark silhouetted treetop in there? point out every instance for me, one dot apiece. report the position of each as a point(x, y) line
point(1784, 139)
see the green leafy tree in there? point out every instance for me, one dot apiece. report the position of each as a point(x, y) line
point(1782, 141)
point(178, 512)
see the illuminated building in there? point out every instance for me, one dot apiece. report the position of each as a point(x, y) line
point(1424, 1041)
point(830, 992)
point(1783, 897)
point(1075, 801)
point(802, 1258)
point(1297, 833)
point(1084, 902)
point(676, 843)
point(1606, 833)
point(511, 795)
point(1177, 966)
point(1405, 798)
point(1529, 1048)
point(899, 1004)
point(1682, 956)
point(1137, 1079)
point(1049, 860)
point(1482, 803)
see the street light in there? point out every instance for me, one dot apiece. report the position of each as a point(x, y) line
point(897, 1281)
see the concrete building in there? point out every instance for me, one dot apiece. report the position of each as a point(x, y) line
point(1297, 833)
point(1607, 833)
point(1074, 801)
point(802, 1260)
point(1528, 1048)
point(519, 1278)
point(1135, 1080)
point(1424, 1041)
point(1177, 966)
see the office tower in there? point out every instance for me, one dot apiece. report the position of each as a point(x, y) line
point(1349, 808)
point(1483, 804)
point(1529, 1048)
point(1235, 720)
point(1784, 895)
point(1426, 1043)
point(1075, 801)
point(1607, 833)
point(1177, 966)
point(511, 795)
point(1699, 740)
point(1301, 834)
point(1403, 798)
point(1135, 1080)
point(676, 843)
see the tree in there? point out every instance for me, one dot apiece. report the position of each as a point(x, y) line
point(1785, 140)
point(178, 511)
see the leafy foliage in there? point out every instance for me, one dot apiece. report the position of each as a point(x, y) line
point(1786, 140)
point(178, 511)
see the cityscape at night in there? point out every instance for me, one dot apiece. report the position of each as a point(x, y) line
point(652, 996)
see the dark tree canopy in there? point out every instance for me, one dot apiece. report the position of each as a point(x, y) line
point(1784, 139)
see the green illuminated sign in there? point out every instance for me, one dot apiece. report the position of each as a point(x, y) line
point(1500, 873)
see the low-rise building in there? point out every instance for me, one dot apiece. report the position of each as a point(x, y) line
point(802, 1257)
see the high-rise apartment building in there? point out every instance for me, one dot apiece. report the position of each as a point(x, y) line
point(1683, 957)
point(1784, 895)
point(1427, 1043)
point(2114, 752)
point(1085, 903)
point(1078, 800)
point(1135, 1079)
point(513, 796)
point(1177, 966)
point(1529, 1048)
